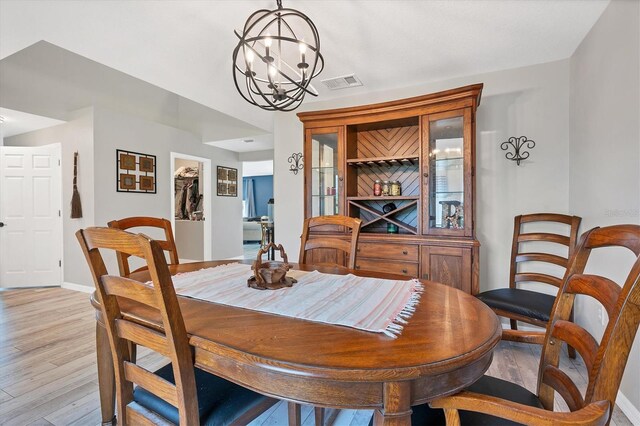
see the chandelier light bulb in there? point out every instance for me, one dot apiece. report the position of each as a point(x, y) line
point(302, 47)
point(268, 41)
point(272, 71)
point(249, 56)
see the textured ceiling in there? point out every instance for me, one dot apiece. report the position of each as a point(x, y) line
point(185, 46)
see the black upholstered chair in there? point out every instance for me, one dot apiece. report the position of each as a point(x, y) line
point(537, 266)
point(178, 393)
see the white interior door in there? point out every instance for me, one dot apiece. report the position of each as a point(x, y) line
point(30, 213)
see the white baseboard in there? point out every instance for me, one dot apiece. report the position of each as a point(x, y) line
point(629, 410)
point(77, 287)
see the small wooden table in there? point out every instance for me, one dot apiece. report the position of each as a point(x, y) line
point(447, 345)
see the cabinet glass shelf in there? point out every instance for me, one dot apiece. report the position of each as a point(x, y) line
point(449, 159)
point(446, 173)
point(324, 174)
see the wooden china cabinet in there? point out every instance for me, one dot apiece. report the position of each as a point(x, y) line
point(423, 145)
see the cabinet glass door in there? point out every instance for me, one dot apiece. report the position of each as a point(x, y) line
point(325, 188)
point(446, 175)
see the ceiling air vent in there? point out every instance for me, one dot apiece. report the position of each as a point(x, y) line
point(342, 82)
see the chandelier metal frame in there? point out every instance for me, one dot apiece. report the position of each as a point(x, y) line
point(273, 87)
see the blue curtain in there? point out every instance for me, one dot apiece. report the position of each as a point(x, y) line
point(250, 200)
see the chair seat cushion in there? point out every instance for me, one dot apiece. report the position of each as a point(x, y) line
point(220, 401)
point(518, 301)
point(487, 385)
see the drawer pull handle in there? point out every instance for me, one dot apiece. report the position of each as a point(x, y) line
point(404, 271)
point(425, 276)
point(358, 250)
point(357, 266)
point(405, 252)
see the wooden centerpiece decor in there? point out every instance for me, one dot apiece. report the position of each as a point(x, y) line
point(271, 275)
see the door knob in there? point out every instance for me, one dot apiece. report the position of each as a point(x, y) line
point(1, 224)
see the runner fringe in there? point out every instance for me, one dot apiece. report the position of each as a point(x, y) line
point(394, 329)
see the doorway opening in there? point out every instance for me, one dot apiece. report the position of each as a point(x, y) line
point(191, 206)
point(257, 206)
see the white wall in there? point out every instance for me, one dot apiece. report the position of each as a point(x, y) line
point(531, 101)
point(256, 155)
point(75, 135)
point(96, 133)
point(604, 180)
point(114, 130)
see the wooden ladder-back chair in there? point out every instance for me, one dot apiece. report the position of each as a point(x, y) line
point(168, 244)
point(520, 304)
point(494, 401)
point(349, 247)
point(330, 242)
point(178, 392)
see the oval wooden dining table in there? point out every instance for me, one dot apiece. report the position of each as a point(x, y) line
point(446, 346)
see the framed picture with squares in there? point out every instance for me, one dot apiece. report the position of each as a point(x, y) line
point(227, 181)
point(135, 172)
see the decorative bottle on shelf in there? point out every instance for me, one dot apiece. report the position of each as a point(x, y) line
point(385, 187)
point(394, 188)
point(377, 188)
point(392, 228)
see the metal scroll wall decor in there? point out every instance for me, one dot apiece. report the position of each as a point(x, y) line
point(517, 144)
point(277, 56)
point(297, 162)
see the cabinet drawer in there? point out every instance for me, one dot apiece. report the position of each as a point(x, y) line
point(403, 252)
point(400, 268)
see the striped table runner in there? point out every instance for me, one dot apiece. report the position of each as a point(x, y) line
point(370, 304)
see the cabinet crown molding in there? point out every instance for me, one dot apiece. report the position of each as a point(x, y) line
point(473, 91)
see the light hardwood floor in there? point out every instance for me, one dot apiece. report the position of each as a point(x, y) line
point(48, 372)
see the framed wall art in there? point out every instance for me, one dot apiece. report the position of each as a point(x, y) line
point(135, 172)
point(227, 181)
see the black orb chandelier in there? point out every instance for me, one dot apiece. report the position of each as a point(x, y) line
point(276, 58)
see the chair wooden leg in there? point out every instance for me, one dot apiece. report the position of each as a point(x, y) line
point(294, 414)
point(570, 349)
point(514, 324)
point(106, 376)
point(319, 412)
point(452, 417)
